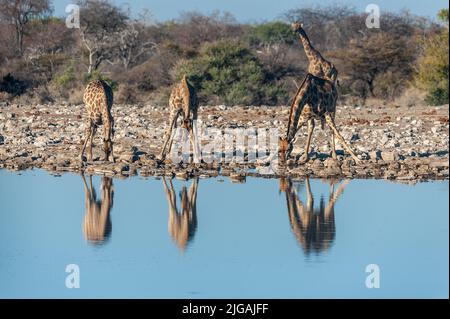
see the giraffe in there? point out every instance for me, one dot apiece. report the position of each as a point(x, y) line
point(318, 65)
point(315, 99)
point(313, 228)
point(321, 68)
point(182, 102)
point(98, 100)
point(97, 222)
point(182, 225)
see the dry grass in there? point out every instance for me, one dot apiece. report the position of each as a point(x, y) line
point(410, 97)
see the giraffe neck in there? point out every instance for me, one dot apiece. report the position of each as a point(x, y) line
point(311, 53)
point(290, 132)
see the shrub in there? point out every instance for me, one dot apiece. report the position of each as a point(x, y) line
point(434, 65)
point(66, 78)
point(377, 66)
point(228, 72)
point(13, 86)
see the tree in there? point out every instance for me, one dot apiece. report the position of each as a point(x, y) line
point(196, 28)
point(133, 44)
point(365, 61)
point(20, 13)
point(101, 24)
point(329, 27)
point(49, 45)
point(434, 64)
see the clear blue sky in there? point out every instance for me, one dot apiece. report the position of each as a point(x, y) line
point(260, 10)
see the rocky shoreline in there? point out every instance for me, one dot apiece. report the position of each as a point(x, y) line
point(398, 143)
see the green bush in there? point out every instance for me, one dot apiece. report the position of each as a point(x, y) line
point(437, 96)
point(66, 78)
point(434, 65)
point(228, 72)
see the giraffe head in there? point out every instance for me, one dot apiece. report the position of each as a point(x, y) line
point(108, 149)
point(296, 26)
point(187, 124)
point(284, 184)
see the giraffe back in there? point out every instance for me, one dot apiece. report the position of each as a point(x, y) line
point(323, 69)
point(98, 101)
point(321, 96)
point(183, 99)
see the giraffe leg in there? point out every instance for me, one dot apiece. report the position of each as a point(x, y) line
point(169, 133)
point(309, 196)
point(88, 133)
point(172, 135)
point(331, 192)
point(311, 126)
point(111, 144)
point(195, 143)
point(333, 141)
point(91, 144)
point(301, 121)
point(112, 152)
point(331, 124)
point(107, 142)
point(94, 194)
point(333, 146)
point(107, 149)
point(87, 191)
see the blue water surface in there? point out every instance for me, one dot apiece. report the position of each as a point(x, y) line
point(265, 238)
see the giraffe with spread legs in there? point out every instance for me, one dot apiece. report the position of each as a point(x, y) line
point(315, 99)
point(182, 225)
point(320, 68)
point(97, 222)
point(313, 228)
point(318, 65)
point(182, 103)
point(98, 101)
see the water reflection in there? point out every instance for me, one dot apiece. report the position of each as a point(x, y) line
point(97, 222)
point(182, 224)
point(314, 228)
point(144, 261)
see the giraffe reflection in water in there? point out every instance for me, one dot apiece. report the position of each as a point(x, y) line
point(97, 222)
point(314, 228)
point(182, 224)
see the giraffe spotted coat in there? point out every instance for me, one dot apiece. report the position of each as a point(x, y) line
point(98, 101)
